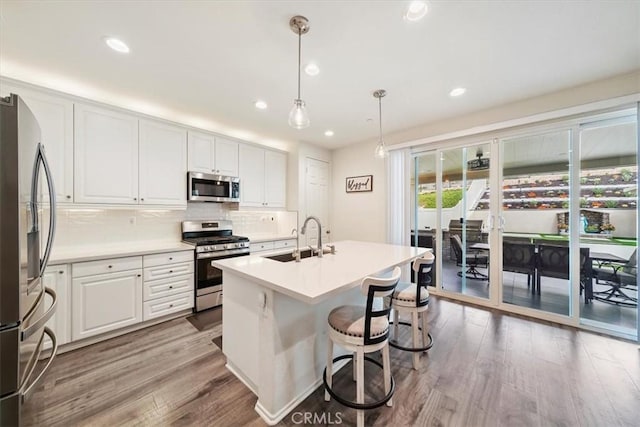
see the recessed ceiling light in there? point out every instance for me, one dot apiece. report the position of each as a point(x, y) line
point(457, 91)
point(328, 133)
point(116, 44)
point(312, 69)
point(416, 11)
point(260, 105)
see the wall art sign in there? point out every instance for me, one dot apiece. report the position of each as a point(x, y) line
point(358, 184)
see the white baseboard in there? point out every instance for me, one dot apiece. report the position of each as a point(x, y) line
point(241, 377)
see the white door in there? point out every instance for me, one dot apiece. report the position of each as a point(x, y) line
point(317, 199)
point(105, 156)
point(201, 146)
point(226, 157)
point(106, 302)
point(251, 175)
point(275, 181)
point(55, 117)
point(163, 164)
point(56, 277)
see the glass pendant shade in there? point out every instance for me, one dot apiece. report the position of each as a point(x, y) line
point(381, 150)
point(298, 117)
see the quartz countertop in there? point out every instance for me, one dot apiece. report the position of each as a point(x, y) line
point(262, 237)
point(315, 279)
point(80, 253)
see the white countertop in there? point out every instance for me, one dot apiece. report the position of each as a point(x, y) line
point(70, 254)
point(261, 237)
point(315, 279)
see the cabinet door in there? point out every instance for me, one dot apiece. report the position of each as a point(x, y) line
point(163, 164)
point(56, 277)
point(105, 302)
point(55, 117)
point(275, 180)
point(106, 156)
point(226, 157)
point(251, 175)
point(201, 146)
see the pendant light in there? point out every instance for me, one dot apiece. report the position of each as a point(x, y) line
point(381, 150)
point(298, 117)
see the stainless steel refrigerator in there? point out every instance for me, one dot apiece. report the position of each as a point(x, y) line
point(25, 204)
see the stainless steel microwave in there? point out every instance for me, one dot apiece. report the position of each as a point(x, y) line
point(204, 187)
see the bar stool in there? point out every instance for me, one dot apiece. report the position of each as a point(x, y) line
point(413, 299)
point(361, 330)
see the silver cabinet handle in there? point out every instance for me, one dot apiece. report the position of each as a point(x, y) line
point(27, 391)
point(170, 258)
point(135, 199)
point(170, 287)
point(111, 266)
point(35, 326)
point(142, 199)
point(68, 196)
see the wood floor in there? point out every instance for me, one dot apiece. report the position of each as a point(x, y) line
point(485, 369)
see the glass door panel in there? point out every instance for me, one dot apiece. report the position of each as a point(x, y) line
point(465, 209)
point(423, 181)
point(534, 222)
point(608, 227)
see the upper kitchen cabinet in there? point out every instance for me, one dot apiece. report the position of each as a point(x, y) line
point(163, 164)
point(106, 156)
point(55, 117)
point(262, 177)
point(212, 154)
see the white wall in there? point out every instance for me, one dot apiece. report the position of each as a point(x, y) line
point(358, 216)
point(363, 216)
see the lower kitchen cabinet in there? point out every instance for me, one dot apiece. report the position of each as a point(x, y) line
point(162, 306)
point(56, 277)
point(106, 302)
point(168, 285)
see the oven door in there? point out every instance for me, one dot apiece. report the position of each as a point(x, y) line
point(208, 277)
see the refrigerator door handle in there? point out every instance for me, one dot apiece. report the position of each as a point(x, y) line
point(54, 350)
point(35, 326)
point(52, 209)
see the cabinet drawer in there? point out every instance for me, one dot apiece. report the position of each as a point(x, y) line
point(284, 244)
point(167, 287)
point(167, 258)
point(168, 271)
point(163, 306)
point(263, 246)
point(102, 266)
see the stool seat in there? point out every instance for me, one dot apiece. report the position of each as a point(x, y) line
point(350, 320)
point(407, 293)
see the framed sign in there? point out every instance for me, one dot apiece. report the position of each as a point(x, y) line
point(359, 184)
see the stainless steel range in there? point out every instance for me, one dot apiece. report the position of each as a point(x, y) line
point(214, 240)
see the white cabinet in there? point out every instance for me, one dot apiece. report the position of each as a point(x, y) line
point(163, 164)
point(212, 154)
point(56, 277)
point(55, 117)
point(168, 283)
point(262, 177)
point(275, 179)
point(106, 156)
point(105, 302)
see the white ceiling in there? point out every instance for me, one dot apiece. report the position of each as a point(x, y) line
point(205, 62)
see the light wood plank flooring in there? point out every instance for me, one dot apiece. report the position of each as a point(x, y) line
point(485, 369)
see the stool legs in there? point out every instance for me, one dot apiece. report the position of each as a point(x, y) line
point(395, 324)
point(425, 332)
point(386, 370)
point(327, 397)
point(355, 364)
point(360, 384)
point(414, 330)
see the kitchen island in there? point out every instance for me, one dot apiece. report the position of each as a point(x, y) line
point(275, 316)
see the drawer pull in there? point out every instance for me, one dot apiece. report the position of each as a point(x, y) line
point(170, 271)
point(111, 266)
point(170, 287)
point(170, 258)
point(139, 275)
point(170, 305)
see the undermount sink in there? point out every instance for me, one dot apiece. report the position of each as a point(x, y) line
point(290, 257)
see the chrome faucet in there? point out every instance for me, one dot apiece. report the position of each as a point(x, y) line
point(304, 230)
point(296, 252)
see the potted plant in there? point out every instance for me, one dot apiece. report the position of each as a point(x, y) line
point(607, 229)
point(563, 228)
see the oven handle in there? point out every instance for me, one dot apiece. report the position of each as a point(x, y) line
point(220, 254)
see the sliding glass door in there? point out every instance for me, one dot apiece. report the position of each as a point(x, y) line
point(609, 218)
point(535, 220)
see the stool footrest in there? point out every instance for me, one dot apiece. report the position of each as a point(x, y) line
point(394, 344)
point(350, 403)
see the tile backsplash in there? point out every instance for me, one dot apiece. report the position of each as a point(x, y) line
point(93, 226)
